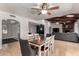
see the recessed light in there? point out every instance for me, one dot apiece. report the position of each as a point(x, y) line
point(57, 22)
point(69, 15)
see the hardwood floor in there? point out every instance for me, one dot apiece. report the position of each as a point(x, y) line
point(62, 48)
point(11, 49)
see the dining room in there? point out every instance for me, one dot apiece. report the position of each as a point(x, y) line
point(37, 46)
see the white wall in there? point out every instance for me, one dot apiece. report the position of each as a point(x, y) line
point(76, 27)
point(47, 25)
point(0, 33)
point(32, 28)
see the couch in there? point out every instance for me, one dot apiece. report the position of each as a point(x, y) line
point(73, 37)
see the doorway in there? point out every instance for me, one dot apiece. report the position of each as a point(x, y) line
point(10, 31)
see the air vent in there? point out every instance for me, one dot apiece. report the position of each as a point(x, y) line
point(12, 16)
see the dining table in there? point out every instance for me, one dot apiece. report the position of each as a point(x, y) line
point(37, 43)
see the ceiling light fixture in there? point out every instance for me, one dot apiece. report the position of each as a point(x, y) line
point(44, 11)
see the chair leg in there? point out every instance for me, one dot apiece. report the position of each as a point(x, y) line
point(50, 51)
point(44, 53)
point(39, 52)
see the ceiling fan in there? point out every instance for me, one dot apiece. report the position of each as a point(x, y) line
point(44, 9)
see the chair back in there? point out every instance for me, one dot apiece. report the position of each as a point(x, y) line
point(30, 36)
point(52, 38)
point(36, 36)
point(47, 47)
point(48, 38)
point(25, 48)
point(47, 43)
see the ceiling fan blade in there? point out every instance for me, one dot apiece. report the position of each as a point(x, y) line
point(39, 13)
point(35, 8)
point(53, 8)
point(48, 13)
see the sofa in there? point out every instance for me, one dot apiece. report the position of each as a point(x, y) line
point(73, 37)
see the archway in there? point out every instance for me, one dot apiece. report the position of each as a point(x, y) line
point(10, 30)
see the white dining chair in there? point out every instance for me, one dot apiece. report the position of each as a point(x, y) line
point(36, 36)
point(30, 37)
point(45, 49)
point(48, 38)
point(52, 44)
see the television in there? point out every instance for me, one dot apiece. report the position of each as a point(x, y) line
point(55, 30)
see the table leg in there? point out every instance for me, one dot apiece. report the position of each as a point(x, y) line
point(39, 52)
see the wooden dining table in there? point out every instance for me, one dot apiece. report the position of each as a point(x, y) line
point(37, 43)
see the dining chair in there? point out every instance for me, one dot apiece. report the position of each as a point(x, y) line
point(48, 38)
point(26, 49)
point(45, 48)
point(52, 44)
point(30, 36)
point(36, 36)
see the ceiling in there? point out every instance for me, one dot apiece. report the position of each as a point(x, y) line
point(24, 9)
point(66, 19)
